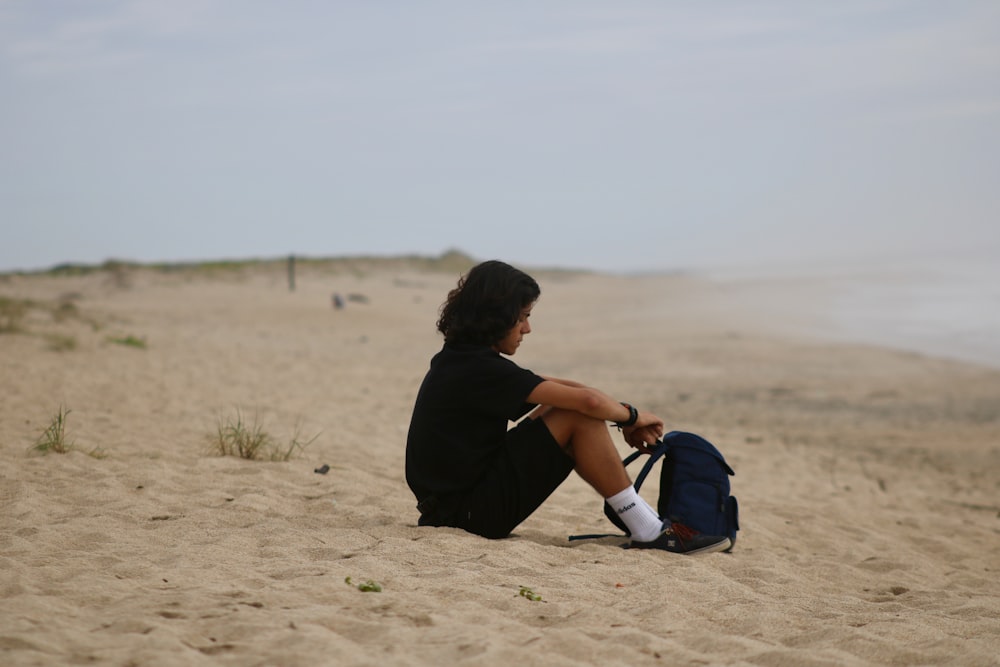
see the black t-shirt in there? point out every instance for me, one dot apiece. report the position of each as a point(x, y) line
point(461, 417)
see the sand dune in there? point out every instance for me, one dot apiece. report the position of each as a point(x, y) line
point(868, 481)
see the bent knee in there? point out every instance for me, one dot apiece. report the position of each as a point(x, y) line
point(565, 425)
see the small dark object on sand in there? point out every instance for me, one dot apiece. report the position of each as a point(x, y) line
point(323, 469)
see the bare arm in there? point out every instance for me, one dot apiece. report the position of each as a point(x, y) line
point(594, 403)
point(568, 383)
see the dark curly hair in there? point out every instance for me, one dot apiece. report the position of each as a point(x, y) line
point(486, 303)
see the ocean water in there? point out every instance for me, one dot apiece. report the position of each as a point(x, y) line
point(948, 309)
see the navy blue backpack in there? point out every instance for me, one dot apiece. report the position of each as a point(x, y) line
point(694, 486)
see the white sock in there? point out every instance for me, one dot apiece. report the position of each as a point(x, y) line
point(648, 506)
point(642, 521)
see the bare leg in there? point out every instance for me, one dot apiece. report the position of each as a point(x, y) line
point(589, 443)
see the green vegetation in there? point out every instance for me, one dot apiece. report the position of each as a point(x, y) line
point(129, 341)
point(112, 266)
point(12, 312)
point(60, 342)
point(54, 440)
point(15, 314)
point(368, 586)
point(119, 271)
point(530, 594)
point(249, 440)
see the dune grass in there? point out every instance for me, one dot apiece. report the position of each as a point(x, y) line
point(60, 342)
point(12, 312)
point(248, 440)
point(15, 313)
point(120, 272)
point(54, 440)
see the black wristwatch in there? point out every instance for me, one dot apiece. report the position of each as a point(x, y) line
point(633, 417)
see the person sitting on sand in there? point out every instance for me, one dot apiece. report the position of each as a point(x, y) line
point(468, 471)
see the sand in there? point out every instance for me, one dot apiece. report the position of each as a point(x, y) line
point(868, 481)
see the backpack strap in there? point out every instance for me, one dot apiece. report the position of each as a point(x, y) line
point(659, 449)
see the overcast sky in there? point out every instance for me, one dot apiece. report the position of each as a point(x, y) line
point(611, 135)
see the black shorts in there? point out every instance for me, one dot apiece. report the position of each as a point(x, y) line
point(530, 467)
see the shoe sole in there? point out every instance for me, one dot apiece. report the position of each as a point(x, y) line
point(708, 549)
point(711, 548)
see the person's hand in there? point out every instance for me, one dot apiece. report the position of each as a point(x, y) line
point(648, 428)
point(636, 438)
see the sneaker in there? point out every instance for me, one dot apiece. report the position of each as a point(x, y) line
point(680, 539)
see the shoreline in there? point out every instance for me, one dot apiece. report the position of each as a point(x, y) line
point(948, 311)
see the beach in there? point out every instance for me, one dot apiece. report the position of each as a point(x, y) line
point(868, 478)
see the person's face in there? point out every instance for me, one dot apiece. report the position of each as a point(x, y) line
point(508, 344)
